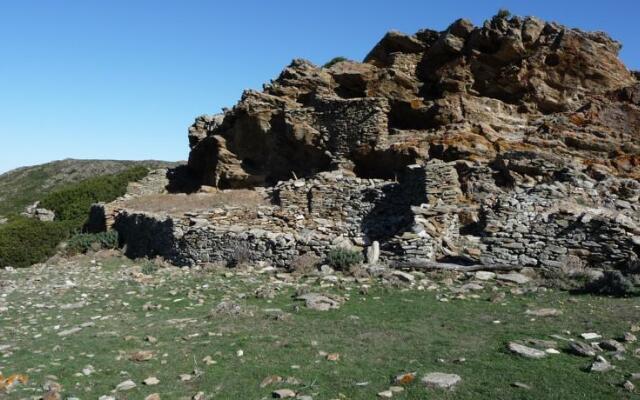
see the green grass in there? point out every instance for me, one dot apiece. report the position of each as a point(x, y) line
point(378, 335)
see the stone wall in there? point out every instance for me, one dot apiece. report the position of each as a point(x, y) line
point(426, 215)
point(333, 209)
point(540, 228)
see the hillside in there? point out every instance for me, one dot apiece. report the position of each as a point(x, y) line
point(23, 186)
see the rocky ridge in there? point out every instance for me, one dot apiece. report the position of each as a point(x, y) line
point(515, 143)
point(512, 89)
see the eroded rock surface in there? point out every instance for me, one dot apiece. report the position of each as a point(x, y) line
point(530, 96)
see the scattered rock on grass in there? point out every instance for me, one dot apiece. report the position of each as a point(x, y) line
point(151, 381)
point(629, 386)
point(439, 380)
point(403, 276)
point(405, 379)
point(227, 308)
point(521, 385)
point(582, 349)
point(319, 302)
point(612, 345)
point(269, 380)
point(126, 385)
point(601, 365)
point(590, 336)
point(284, 393)
point(198, 396)
point(514, 277)
point(140, 356)
point(544, 312)
point(387, 394)
point(498, 297)
point(485, 275)
point(524, 351)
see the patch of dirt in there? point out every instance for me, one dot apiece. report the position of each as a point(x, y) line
point(182, 203)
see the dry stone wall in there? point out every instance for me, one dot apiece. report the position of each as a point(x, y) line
point(540, 228)
point(333, 209)
point(426, 215)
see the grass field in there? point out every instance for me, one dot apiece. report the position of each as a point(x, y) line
point(226, 353)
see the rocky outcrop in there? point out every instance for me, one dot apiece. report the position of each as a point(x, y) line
point(39, 213)
point(516, 143)
point(467, 93)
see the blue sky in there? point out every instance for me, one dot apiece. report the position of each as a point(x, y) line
point(124, 79)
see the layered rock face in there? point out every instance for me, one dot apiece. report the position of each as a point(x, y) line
point(513, 89)
point(513, 143)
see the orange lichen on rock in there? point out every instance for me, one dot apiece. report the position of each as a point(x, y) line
point(11, 381)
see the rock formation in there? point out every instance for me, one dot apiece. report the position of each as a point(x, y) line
point(504, 93)
point(39, 213)
point(513, 143)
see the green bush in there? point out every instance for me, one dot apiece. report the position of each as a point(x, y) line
point(25, 241)
point(72, 203)
point(343, 259)
point(83, 242)
point(334, 61)
point(613, 283)
point(149, 267)
point(503, 13)
point(240, 255)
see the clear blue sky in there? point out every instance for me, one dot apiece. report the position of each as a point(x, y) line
point(124, 79)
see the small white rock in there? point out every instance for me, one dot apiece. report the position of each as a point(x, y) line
point(590, 336)
point(126, 385)
point(151, 381)
point(439, 380)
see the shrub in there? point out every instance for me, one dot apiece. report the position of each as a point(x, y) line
point(503, 13)
point(83, 242)
point(343, 259)
point(149, 267)
point(25, 241)
point(633, 267)
point(562, 280)
point(613, 283)
point(240, 255)
point(334, 61)
point(72, 203)
point(305, 264)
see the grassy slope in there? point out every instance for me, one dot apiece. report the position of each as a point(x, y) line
point(377, 335)
point(24, 186)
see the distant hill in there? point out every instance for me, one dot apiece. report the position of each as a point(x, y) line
point(23, 186)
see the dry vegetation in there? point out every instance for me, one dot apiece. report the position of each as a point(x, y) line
point(181, 203)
